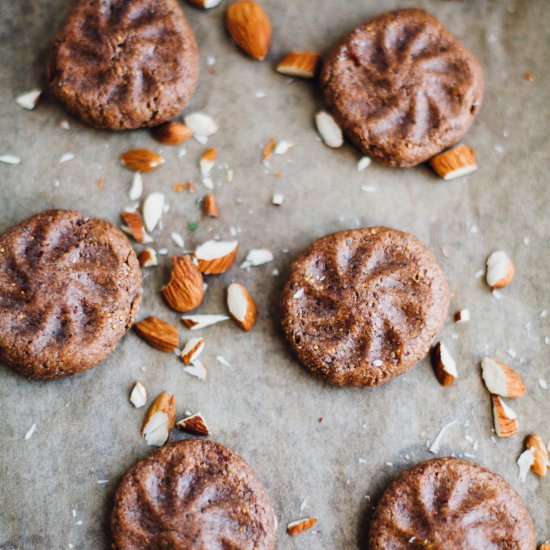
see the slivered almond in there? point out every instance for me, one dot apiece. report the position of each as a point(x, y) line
point(198, 322)
point(210, 206)
point(241, 306)
point(185, 290)
point(192, 350)
point(148, 258)
point(455, 162)
point(443, 364)
point(158, 333)
point(506, 420)
point(159, 420)
point(153, 208)
point(135, 224)
point(172, 133)
point(500, 269)
point(268, 149)
point(194, 424)
point(138, 397)
point(184, 186)
point(329, 130)
point(541, 462)
point(299, 64)
point(207, 161)
point(141, 160)
point(205, 4)
point(216, 257)
point(249, 27)
point(500, 379)
point(299, 526)
point(201, 124)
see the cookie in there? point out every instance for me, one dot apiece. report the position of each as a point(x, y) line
point(194, 494)
point(124, 64)
point(450, 503)
point(70, 288)
point(402, 87)
point(362, 306)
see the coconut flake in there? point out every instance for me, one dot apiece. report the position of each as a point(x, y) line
point(434, 448)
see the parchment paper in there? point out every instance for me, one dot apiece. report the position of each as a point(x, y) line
point(265, 406)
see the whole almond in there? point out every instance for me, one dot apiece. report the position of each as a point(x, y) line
point(185, 290)
point(249, 27)
point(172, 133)
point(158, 333)
point(141, 160)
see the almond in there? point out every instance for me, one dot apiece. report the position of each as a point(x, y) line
point(196, 369)
point(455, 162)
point(462, 316)
point(544, 546)
point(194, 424)
point(184, 186)
point(198, 322)
point(525, 462)
point(201, 124)
point(159, 420)
point(141, 160)
point(135, 225)
point(138, 397)
point(192, 350)
point(249, 27)
point(299, 526)
point(185, 290)
point(158, 333)
point(329, 130)
point(540, 453)
point(172, 133)
point(153, 208)
point(443, 364)
point(241, 306)
point(500, 379)
point(256, 257)
point(148, 258)
point(29, 100)
point(205, 4)
point(500, 269)
point(216, 257)
point(210, 206)
point(506, 420)
point(207, 161)
point(268, 149)
point(136, 188)
point(299, 64)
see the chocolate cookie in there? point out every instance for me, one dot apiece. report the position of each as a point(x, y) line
point(402, 87)
point(363, 306)
point(70, 288)
point(450, 503)
point(124, 64)
point(192, 495)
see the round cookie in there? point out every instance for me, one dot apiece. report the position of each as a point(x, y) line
point(192, 494)
point(450, 503)
point(70, 288)
point(362, 306)
point(402, 87)
point(121, 65)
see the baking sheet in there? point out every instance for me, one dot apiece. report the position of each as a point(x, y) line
point(265, 406)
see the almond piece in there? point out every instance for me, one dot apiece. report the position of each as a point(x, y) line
point(138, 397)
point(153, 208)
point(205, 4)
point(207, 161)
point(141, 160)
point(29, 100)
point(462, 316)
point(216, 257)
point(158, 333)
point(148, 258)
point(443, 364)
point(500, 379)
point(329, 130)
point(506, 420)
point(136, 188)
point(210, 206)
point(201, 124)
point(256, 257)
point(196, 369)
point(267, 151)
point(192, 350)
point(299, 526)
point(198, 322)
point(299, 64)
point(249, 27)
point(135, 225)
point(172, 133)
point(541, 463)
point(455, 162)
point(184, 186)
point(525, 461)
point(194, 424)
point(241, 306)
point(185, 290)
point(500, 269)
point(159, 420)
point(544, 546)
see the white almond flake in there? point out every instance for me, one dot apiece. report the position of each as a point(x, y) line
point(525, 461)
point(64, 124)
point(363, 163)
point(500, 269)
point(197, 322)
point(544, 313)
point(182, 152)
point(298, 294)
point(79, 522)
point(136, 188)
point(10, 159)
point(497, 295)
point(210, 59)
point(56, 183)
point(201, 124)
point(138, 397)
point(278, 199)
point(208, 183)
point(329, 130)
point(153, 207)
point(390, 464)
point(223, 361)
point(196, 369)
point(434, 448)
point(259, 94)
point(66, 157)
point(512, 353)
point(282, 147)
point(29, 100)
point(543, 384)
point(256, 257)
point(361, 461)
point(102, 481)
point(369, 188)
point(177, 238)
point(479, 274)
point(162, 251)
point(203, 140)
point(28, 435)
point(205, 165)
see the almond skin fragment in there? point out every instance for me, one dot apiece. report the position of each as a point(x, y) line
point(215, 257)
point(159, 420)
point(299, 64)
point(210, 206)
point(194, 424)
point(185, 290)
point(172, 133)
point(141, 160)
point(455, 162)
point(135, 224)
point(500, 379)
point(241, 306)
point(158, 334)
point(249, 27)
point(541, 462)
point(443, 364)
point(506, 421)
point(299, 526)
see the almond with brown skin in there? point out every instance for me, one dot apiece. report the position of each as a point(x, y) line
point(148, 258)
point(184, 186)
point(185, 290)
point(205, 4)
point(216, 257)
point(158, 334)
point(241, 306)
point(249, 27)
point(141, 160)
point(194, 424)
point(299, 64)
point(135, 224)
point(541, 462)
point(192, 350)
point(172, 133)
point(443, 364)
point(299, 526)
point(500, 379)
point(159, 420)
point(210, 206)
point(506, 420)
point(454, 163)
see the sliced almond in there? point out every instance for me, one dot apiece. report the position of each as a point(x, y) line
point(201, 124)
point(153, 208)
point(443, 364)
point(196, 369)
point(462, 316)
point(148, 258)
point(172, 133)
point(205, 4)
point(159, 420)
point(136, 188)
point(241, 306)
point(207, 161)
point(216, 256)
point(210, 206)
point(141, 160)
point(299, 526)
point(197, 322)
point(500, 379)
point(29, 100)
point(185, 290)
point(299, 64)
point(540, 454)
point(158, 333)
point(194, 424)
point(329, 130)
point(192, 350)
point(138, 397)
point(506, 420)
point(455, 162)
point(249, 27)
point(500, 269)
point(256, 257)
point(135, 225)
point(10, 159)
